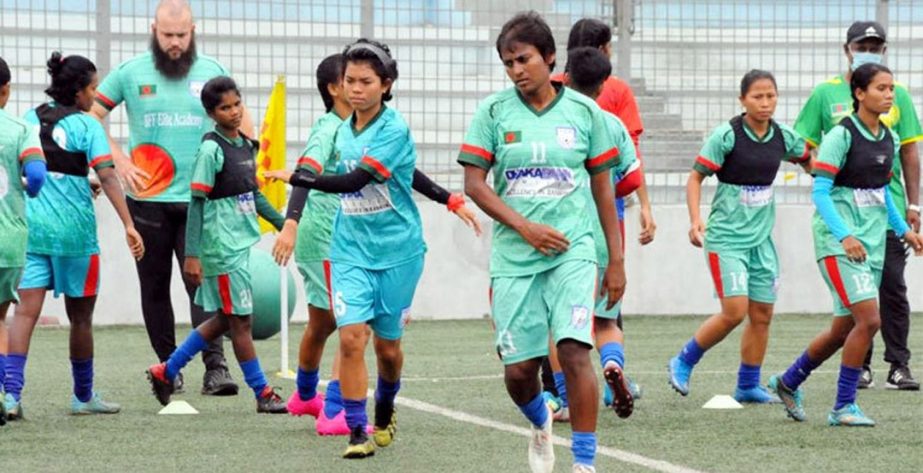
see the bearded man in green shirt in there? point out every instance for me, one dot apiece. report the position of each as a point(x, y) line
point(161, 92)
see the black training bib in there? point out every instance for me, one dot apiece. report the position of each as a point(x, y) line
point(750, 163)
point(59, 159)
point(238, 175)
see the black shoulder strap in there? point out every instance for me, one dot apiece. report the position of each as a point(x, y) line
point(59, 159)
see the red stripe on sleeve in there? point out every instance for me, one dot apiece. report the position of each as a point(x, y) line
point(715, 265)
point(807, 153)
point(100, 160)
point(602, 158)
point(196, 186)
point(833, 270)
point(312, 163)
point(105, 100)
point(379, 168)
point(479, 152)
point(707, 163)
point(29, 152)
point(829, 168)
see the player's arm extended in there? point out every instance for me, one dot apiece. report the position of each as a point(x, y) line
point(133, 176)
point(265, 209)
point(352, 181)
point(543, 238)
point(454, 202)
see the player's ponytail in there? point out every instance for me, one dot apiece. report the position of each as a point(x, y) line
point(329, 71)
point(69, 75)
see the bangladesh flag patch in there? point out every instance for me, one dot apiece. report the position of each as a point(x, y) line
point(512, 137)
point(147, 90)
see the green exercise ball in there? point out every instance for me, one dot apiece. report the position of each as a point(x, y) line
point(264, 279)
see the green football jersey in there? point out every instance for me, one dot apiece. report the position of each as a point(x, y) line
point(831, 101)
point(742, 216)
point(626, 158)
point(229, 224)
point(166, 121)
point(862, 210)
point(316, 226)
point(541, 163)
point(19, 144)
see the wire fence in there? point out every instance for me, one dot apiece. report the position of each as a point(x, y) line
point(684, 58)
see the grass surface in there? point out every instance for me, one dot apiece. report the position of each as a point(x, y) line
point(228, 435)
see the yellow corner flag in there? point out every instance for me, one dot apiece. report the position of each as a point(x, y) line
point(272, 150)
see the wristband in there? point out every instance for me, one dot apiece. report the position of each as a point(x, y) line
point(456, 201)
point(914, 207)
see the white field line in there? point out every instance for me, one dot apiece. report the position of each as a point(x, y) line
point(629, 372)
point(620, 455)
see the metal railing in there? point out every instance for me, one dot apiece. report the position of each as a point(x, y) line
point(684, 57)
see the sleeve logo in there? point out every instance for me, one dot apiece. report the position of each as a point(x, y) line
point(511, 137)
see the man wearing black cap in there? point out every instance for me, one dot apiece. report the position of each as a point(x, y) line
point(830, 102)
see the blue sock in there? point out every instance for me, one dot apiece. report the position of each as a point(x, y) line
point(561, 387)
point(2, 370)
point(192, 345)
point(82, 371)
point(307, 384)
point(254, 376)
point(691, 353)
point(798, 371)
point(355, 413)
point(612, 351)
point(15, 375)
point(846, 386)
point(583, 446)
point(333, 400)
point(748, 376)
point(386, 391)
point(536, 411)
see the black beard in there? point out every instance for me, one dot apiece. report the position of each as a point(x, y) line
point(173, 68)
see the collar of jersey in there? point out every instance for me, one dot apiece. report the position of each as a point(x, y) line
point(752, 134)
point(558, 87)
point(882, 129)
point(352, 121)
point(234, 141)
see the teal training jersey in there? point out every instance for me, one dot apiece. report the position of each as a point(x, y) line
point(316, 226)
point(62, 219)
point(229, 224)
point(742, 216)
point(541, 163)
point(166, 121)
point(862, 210)
point(378, 227)
point(626, 158)
point(831, 101)
point(19, 144)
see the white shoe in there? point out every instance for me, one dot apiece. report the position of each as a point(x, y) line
point(581, 468)
point(541, 448)
point(562, 415)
